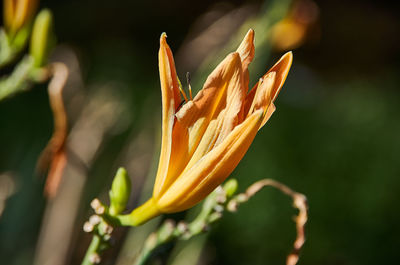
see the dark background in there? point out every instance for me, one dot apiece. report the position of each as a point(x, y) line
point(334, 136)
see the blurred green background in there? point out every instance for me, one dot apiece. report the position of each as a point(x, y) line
point(334, 136)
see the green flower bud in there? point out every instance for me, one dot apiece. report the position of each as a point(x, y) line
point(42, 37)
point(230, 187)
point(120, 191)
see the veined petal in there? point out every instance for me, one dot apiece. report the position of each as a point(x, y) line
point(225, 117)
point(170, 102)
point(270, 110)
point(246, 51)
point(196, 183)
point(263, 97)
point(281, 69)
point(197, 127)
point(168, 77)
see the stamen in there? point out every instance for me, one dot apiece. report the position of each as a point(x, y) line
point(189, 86)
point(182, 91)
point(180, 105)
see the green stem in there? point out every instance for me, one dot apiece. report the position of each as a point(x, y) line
point(19, 80)
point(92, 250)
point(167, 232)
point(143, 256)
point(140, 215)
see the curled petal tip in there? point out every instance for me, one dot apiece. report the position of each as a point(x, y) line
point(288, 56)
point(163, 38)
point(282, 69)
point(232, 59)
point(235, 56)
point(250, 32)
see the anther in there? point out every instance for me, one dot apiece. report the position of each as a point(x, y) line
point(189, 86)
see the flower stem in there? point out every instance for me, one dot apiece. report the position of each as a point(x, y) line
point(92, 251)
point(140, 215)
point(143, 256)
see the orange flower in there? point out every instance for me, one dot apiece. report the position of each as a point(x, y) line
point(204, 140)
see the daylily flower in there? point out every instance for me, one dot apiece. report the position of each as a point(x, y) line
point(205, 139)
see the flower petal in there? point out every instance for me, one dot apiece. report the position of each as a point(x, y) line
point(263, 97)
point(246, 51)
point(170, 102)
point(225, 117)
point(270, 110)
point(195, 183)
point(206, 120)
point(281, 69)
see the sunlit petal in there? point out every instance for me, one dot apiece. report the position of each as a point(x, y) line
point(205, 139)
point(263, 94)
point(198, 181)
point(206, 120)
point(281, 69)
point(246, 51)
point(170, 102)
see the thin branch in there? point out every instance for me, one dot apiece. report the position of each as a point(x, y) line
point(212, 210)
point(299, 201)
point(54, 157)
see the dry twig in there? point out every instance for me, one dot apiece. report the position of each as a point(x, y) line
point(299, 201)
point(53, 157)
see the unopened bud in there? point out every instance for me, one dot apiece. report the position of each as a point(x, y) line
point(232, 206)
point(88, 227)
point(218, 208)
point(166, 230)
point(98, 207)
point(120, 192)
point(220, 195)
point(42, 37)
point(94, 258)
point(105, 229)
point(220, 198)
point(94, 219)
point(182, 227)
point(108, 229)
point(230, 187)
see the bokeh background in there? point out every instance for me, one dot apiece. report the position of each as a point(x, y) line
point(334, 136)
